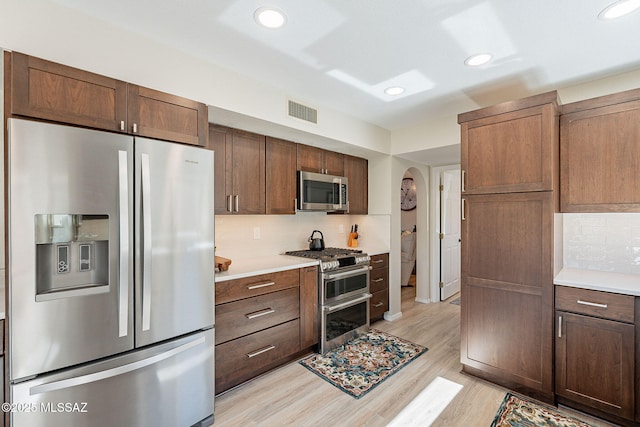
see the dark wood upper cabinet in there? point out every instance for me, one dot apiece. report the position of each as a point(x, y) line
point(600, 154)
point(220, 138)
point(312, 159)
point(239, 170)
point(511, 147)
point(156, 114)
point(50, 91)
point(280, 176)
point(356, 170)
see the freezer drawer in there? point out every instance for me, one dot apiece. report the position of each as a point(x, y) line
point(165, 385)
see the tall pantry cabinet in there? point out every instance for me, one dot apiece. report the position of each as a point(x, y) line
point(509, 199)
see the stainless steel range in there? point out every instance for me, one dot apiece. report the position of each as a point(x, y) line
point(343, 295)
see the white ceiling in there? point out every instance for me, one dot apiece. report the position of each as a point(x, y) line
point(343, 53)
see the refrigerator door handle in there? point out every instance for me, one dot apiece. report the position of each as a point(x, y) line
point(118, 370)
point(146, 241)
point(123, 279)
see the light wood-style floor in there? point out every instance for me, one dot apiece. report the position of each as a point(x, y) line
point(293, 396)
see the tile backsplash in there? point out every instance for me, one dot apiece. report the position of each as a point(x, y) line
point(603, 242)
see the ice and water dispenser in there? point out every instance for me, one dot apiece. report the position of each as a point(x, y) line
point(72, 255)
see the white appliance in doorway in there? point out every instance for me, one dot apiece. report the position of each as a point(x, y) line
point(449, 233)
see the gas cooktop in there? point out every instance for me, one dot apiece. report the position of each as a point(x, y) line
point(332, 259)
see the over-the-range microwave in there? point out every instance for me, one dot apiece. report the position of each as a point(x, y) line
point(321, 192)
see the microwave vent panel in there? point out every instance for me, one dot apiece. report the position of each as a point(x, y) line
point(303, 112)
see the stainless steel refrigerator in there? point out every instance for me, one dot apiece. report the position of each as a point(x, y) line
point(110, 268)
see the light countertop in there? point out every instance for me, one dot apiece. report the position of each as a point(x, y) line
point(272, 263)
point(262, 265)
point(627, 284)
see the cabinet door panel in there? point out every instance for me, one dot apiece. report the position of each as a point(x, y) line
point(511, 152)
point(357, 172)
point(334, 163)
point(506, 332)
point(507, 280)
point(51, 91)
point(309, 159)
point(248, 171)
point(160, 115)
point(280, 176)
point(219, 142)
point(595, 363)
point(309, 330)
point(601, 159)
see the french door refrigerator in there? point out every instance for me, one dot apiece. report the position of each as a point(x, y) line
point(110, 268)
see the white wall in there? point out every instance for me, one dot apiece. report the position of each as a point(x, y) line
point(444, 131)
point(281, 233)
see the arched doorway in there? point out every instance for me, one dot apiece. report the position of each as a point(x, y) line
point(414, 237)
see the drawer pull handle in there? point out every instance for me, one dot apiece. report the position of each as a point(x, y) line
point(378, 280)
point(260, 313)
point(592, 304)
point(377, 261)
point(260, 285)
point(380, 304)
point(259, 352)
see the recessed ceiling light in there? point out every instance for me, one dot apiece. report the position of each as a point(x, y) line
point(269, 17)
point(477, 60)
point(394, 90)
point(619, 8)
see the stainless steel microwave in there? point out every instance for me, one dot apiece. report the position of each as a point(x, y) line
point(320, 192)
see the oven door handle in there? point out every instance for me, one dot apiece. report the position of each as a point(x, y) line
point(350, 273)
point(330, 308)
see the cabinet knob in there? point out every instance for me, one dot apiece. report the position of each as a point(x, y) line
point(135, 128)
point(122, 125)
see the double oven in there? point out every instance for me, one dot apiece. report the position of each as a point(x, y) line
point(343, 304)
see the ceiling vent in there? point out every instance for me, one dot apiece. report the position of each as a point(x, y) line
point(303, 112)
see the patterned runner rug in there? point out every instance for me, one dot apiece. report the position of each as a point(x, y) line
point(361, 364)
point(519, 412)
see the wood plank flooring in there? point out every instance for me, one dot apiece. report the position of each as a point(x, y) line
point(293, 396)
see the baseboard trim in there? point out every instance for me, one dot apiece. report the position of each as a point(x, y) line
point(391, 318)
point(423, 301)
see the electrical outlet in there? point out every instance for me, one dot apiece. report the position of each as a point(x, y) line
point(256, 233)
point(341, 228)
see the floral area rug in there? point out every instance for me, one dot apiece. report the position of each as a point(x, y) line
point(519, 412)
point(361, 364)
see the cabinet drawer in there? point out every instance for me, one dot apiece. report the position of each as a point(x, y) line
point(595, 303)
point(379, 303)
point(246, 287)
point(249, 356)
point(246, 316)
point(380, 261)
point(378, 279)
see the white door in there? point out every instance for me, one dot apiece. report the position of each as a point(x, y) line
point(449, 233)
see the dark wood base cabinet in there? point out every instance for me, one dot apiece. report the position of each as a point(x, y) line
point(379, 286)
point(263, 322)
point(507, 291)
point(595, 353)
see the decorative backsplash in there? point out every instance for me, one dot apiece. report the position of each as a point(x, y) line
point(603, 242)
